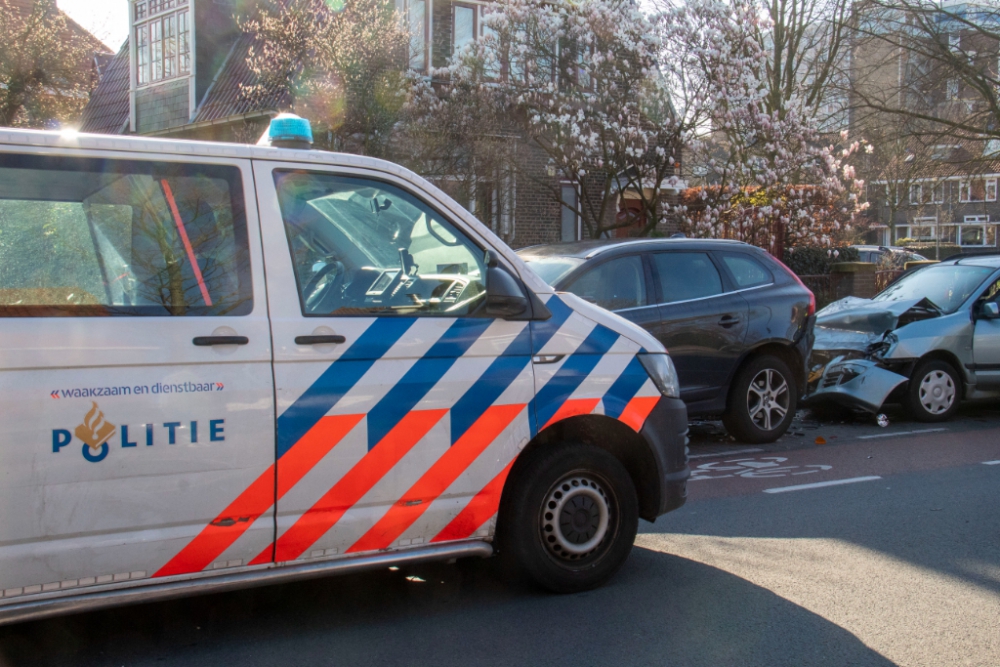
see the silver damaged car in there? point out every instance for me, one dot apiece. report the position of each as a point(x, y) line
point(929, 340)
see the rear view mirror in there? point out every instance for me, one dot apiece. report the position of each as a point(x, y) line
point(504, 295)
point(989, 310)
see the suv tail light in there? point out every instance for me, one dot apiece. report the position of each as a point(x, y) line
point(795, 277)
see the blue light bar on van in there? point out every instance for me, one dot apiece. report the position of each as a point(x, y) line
point(290, 131)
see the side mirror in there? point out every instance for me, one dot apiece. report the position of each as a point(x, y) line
point(989, 310)
point(504, 295)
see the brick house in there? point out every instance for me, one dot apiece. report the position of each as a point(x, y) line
point(931, 188)
point(179, 75)
point(952, 200)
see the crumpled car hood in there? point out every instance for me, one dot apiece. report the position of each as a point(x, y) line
point(847, 333)
point(874, 317)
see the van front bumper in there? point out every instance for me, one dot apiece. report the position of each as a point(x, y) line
point(666, 430)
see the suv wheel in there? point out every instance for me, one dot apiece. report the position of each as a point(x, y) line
point(570, 519)
point(934, 391)
point(762, 401)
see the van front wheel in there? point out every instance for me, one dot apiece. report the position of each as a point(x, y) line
point(570, 519)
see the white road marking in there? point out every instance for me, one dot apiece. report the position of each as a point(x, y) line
point(738, 451)
point(991, 463)
point(832, 482)
point(891, 435)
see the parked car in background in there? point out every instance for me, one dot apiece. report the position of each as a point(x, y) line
point(887, 257)
point(737, 322)
point(933, 337)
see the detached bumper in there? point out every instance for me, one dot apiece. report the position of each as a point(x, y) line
point(666, 430)
point(859, 383)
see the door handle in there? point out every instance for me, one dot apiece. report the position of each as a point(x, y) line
point(203, 341)
point(319, 339)
point(729, 321)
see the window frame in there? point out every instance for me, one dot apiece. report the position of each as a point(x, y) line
point(719, 256)
point(930, 222)
point(989, 190)
point(649, 284)
point(241, 219)
point(173, 13)
point(724, 279)
point(475, 9)
point(423, 197)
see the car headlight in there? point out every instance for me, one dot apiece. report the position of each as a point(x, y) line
point(662, 372)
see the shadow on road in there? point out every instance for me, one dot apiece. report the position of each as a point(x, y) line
point(660, 610)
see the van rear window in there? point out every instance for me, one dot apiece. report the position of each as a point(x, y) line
point(93, 237)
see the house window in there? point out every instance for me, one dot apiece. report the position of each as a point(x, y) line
point(162, 31)
point(414, 12)
point(923, 229)
point(570, 216)
point(915, 192)
point(938, 193)
point(973, 231)
point(142, 55)
point(952, 91)
point(463, 26)
point(978, 189)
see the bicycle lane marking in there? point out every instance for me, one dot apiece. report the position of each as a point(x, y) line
point(765, 467)
point(861, 458)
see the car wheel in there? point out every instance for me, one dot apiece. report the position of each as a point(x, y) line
point(762, 401)
point(570, 519)
point(934, 391)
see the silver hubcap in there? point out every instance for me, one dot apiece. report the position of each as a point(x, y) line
point(575, 517)
point(767, 399)
point(937, 392)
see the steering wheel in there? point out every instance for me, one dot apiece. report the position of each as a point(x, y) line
point(314, 296)
point(430, 228)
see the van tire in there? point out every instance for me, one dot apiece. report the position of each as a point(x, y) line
point(766, 373)
point(934, 391)
point(569, 517)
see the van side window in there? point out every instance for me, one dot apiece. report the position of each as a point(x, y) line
point(363, 247)
point(92, 237)
point(616, 284)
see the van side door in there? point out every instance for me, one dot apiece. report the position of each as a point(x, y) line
point(134, 370)
point(400, 404)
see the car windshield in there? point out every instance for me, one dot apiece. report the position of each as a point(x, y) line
point(551, 269)
point(947, 286)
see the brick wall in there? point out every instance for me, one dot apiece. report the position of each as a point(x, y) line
point(162, 107)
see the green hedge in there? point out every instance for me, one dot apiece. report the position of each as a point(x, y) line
point(813, 260)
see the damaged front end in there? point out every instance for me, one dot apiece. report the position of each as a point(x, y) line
point(854, 338)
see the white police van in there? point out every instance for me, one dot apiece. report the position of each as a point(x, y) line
point(224, 366)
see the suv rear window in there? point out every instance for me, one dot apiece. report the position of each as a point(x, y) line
point(746, 271)
point(93, 237)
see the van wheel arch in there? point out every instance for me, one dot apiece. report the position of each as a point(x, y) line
point(609, 434)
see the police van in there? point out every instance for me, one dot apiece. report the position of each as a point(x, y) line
point(224, 366)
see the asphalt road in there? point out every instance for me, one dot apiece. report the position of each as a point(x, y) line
point(898, 566)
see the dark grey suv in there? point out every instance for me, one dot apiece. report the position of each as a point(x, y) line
point(737, 322)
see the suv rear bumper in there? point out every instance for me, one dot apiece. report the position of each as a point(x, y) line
point(666, 430)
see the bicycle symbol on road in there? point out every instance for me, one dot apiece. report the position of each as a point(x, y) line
point(765, 467)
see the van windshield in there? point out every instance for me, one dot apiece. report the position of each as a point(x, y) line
point(362, 246)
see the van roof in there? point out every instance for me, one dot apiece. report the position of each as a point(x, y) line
point(181, 147)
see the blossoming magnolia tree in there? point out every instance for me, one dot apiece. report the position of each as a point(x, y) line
point(775, 181)
point(611, 94)
point(341, 64)
point(580, 80)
